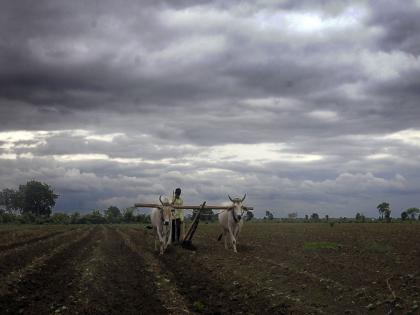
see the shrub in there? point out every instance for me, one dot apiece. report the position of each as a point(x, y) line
point(59, 218)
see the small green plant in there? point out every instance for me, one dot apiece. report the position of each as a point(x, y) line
point(198, 306)
point(376, 247)
point(321, 245)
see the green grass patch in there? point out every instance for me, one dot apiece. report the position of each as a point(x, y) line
point(321, 245)
point(376, 247)
point(199, 306)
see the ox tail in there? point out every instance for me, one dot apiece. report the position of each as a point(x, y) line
point(220, 237)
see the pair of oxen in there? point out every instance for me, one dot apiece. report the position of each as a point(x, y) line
point(231, 220)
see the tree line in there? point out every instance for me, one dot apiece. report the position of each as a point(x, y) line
point(34, 201)
point(383, 208)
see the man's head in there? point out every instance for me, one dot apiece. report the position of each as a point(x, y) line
point(177, 192)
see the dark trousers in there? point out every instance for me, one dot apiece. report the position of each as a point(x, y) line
point(176, 230)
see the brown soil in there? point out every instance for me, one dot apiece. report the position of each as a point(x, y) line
point(115, 270)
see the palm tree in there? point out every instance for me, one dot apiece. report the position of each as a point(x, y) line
point(383, 208)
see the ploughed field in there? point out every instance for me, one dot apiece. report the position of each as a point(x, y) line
point(280, 269)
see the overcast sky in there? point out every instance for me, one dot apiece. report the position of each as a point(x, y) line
point(303, 105)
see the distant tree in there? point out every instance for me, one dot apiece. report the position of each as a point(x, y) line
point(6, 217)
point(59, 218)
point(113, 215)
point(142, 218)
point(269, 215)
point(404, 215)
point(95, 217)
point(327, 217)
point(128, 215)
point(36, 198)
point(75, 218)
point(315, 216)
point(249, 215)
point(360, 217)
point(383, 209)
point(306, 217)
point(292, 215)
point(412, 212)
point(388, 215)
point(9, 201)
point(27, 218)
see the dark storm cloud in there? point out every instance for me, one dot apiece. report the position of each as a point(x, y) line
point(46, 64)
point(304, 105)
point(400, 22)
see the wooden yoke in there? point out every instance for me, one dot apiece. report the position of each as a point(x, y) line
point(200, 207)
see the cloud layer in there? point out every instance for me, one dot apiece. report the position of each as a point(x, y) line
point(304, 105)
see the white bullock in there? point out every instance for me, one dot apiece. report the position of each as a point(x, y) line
point(231, 221)
point(162, 224)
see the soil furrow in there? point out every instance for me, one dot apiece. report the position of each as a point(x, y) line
point(29, 241)
point(122, 283)
point(47, 282)
point(17, 258)
point(209, 291)
point(173, 301)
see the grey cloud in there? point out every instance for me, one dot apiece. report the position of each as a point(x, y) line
point(399, 22)
point(174, 85)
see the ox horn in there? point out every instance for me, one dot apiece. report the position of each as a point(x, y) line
point(243, 198)
point(160, 199)
point(230, 198)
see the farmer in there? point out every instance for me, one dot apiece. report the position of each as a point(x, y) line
point(178, 222)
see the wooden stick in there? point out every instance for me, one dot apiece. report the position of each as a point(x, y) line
point(154, 205)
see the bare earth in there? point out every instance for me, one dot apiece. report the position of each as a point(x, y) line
point(103, 269)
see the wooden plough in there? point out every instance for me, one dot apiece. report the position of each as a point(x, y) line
point(197, 210)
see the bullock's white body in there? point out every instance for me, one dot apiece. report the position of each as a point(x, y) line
point(231, 222)
point(162, 226)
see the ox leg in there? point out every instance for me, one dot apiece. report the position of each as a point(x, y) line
point(237, 235)
point(161, 241)
point(166, 242)
point(156, 238)
point(169, 235)
point(233, 240)
point(225, 238)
